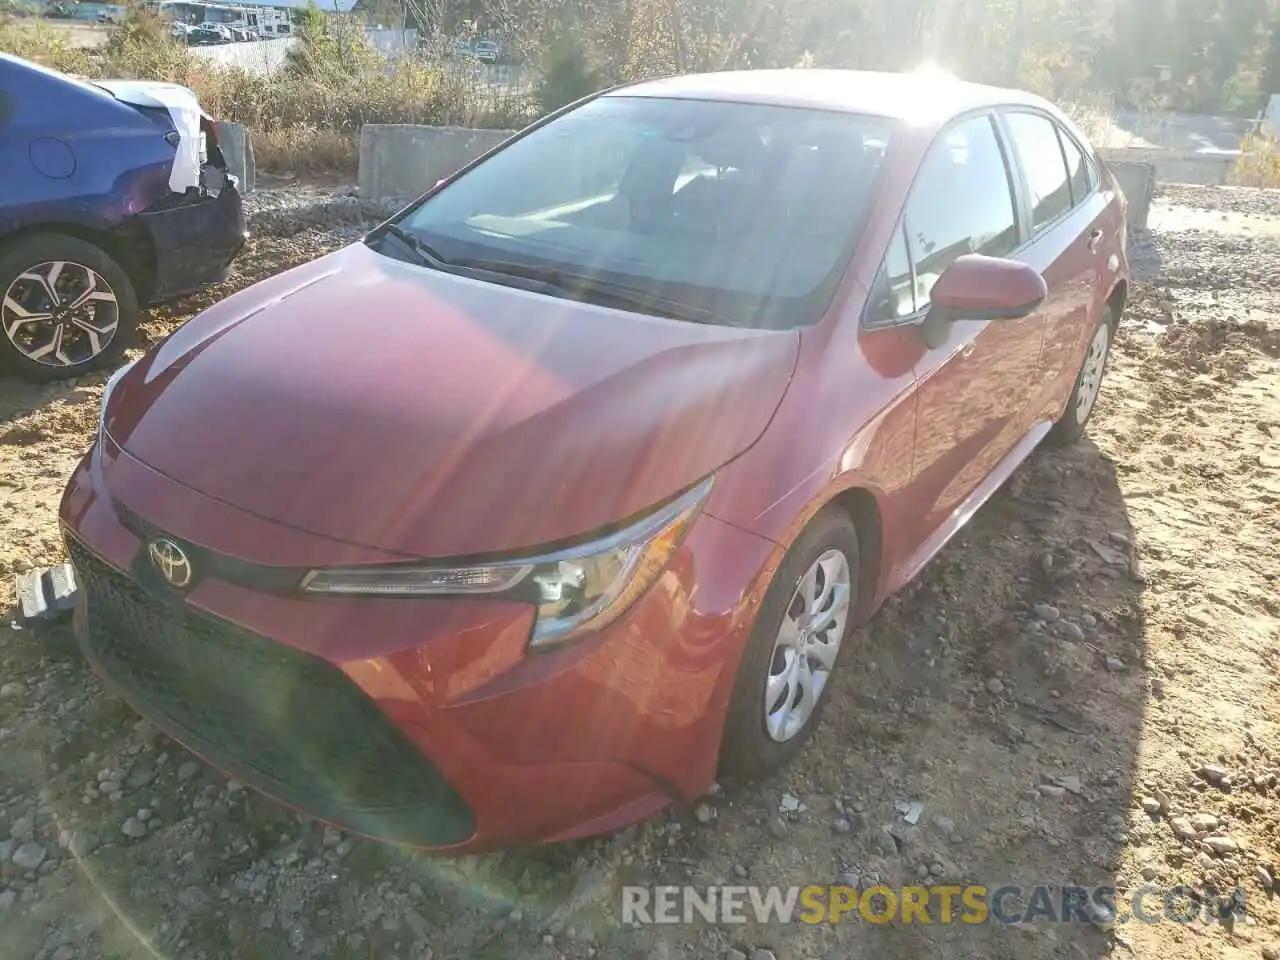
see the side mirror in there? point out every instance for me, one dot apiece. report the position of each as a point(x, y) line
point(975, 287)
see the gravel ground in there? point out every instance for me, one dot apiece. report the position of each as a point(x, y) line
point(1081, 689)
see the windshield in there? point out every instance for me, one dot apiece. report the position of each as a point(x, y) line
point(747, 211)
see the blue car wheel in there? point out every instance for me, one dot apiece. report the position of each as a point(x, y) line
point(66, 307)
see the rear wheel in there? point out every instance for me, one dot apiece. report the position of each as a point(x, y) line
point(66, 307)
point(794, 648)
point(1084, 395)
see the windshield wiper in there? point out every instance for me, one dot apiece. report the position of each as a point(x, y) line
point(584, 286)
point(426, 254)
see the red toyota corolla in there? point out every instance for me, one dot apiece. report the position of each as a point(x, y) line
point(564, 488)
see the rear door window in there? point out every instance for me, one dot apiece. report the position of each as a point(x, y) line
point(1077, 169)
point(1035, 138)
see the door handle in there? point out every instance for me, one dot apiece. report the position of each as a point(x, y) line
point(1095, 239)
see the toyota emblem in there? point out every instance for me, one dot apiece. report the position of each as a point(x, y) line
point(170, 562)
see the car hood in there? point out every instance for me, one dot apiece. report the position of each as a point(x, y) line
point(382, 403)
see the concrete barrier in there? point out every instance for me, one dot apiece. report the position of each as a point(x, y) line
point(237, 149)
point(1138, 182)
point(1174, 166)
point(405, 160)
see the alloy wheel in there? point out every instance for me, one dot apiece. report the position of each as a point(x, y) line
point(60, 313)
point(805, 648)
point(1095, 364)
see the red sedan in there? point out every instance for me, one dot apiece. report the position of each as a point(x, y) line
point(564, 489)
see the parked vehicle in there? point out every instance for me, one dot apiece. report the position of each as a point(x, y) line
point(202, 37)
point(488, 51)
point(115, 195)
point(570, 482)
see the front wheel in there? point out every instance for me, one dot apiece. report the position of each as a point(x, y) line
point(1084, 395)
point(66, 307)
point(794, 648)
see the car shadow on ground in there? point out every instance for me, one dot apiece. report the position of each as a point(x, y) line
point(1004, 691)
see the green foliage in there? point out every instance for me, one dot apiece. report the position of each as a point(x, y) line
point(567, 75)
point(139, 29)
point(328, 47)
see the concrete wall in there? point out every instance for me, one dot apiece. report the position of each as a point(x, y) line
point(1138, 182)
point(401, 160)
point(258, 56)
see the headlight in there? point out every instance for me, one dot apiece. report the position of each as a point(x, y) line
point(106, 395)
point(577, 590)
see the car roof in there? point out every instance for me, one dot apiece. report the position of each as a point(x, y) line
point(924, 98)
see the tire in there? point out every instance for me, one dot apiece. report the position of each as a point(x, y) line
point(749, 747)
point(91, 337)
point(1071, 425)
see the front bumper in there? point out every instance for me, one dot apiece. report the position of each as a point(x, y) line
point(194, 241)
point(412, 721)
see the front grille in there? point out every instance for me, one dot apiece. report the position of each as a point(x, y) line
point(273, 716)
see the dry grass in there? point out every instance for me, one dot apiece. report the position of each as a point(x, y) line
point(306, 150)
point(1259, 163)
point(298, 124)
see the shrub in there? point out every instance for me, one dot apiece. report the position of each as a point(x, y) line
point(1259, 163)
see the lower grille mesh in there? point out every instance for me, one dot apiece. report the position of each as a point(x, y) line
point(276, 717)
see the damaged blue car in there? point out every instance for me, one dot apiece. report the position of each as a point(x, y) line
point(114, 195)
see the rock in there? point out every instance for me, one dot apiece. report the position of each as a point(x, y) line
point(64, 952)
point(188, 770)
point(1046, 612)
point(1204, 822)
point(1265, 880)
point(763, 955)
point(1100, 915)
point(81, 843)
point(1221, 845)
point(1270, 953)
point(266, 919)
point(6, 850)
point(1071, 631)
point(1212, 772)
point(7, 898)
point(141, 776)
point(995, 686)
point(23, 829)
point(732, 954)
point(1071, 784)
point(1115, 665)
point(1151, 805)
point(134, 828)
point(1149, 872)
point(704, 813)
point(841, 825)
point(1051, 790)
point(790, 804)
point(945, 825)
point(1165, 803)
point(777, 827)
point(144, 814)
point(1182, 828)
point(109, 787)
point(29, 856)
point(332, 836)
point(849, 878)
point(12, 690)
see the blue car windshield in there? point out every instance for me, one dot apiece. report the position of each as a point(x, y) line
point(747, 211)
